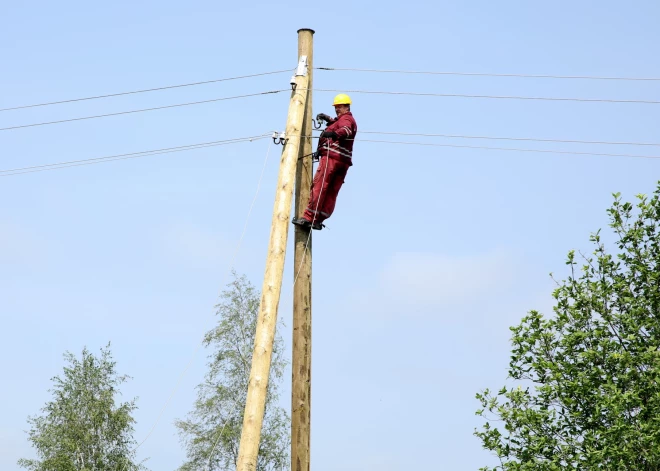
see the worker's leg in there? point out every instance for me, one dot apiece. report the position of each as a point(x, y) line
point(334, 185)
point(319, 191)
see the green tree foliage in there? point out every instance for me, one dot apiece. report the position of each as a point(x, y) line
point(212, 431)
point(588, 393)
point(83, 428)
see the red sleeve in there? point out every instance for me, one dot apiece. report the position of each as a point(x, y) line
point(344, 127)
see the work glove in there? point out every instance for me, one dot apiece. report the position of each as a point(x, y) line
point(324, 117)
point(329, 135)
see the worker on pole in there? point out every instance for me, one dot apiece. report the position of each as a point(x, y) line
point(335, 153)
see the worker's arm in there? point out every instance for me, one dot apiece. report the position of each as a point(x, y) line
point(343, 128)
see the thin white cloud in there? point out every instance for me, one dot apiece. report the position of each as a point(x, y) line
point(196, 244)
point(427, 280)
point(17, 244)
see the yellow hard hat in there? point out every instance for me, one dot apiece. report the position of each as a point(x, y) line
point(342, 99)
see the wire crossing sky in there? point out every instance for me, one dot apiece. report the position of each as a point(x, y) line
point(489, 144)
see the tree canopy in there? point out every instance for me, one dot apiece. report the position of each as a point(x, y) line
point(212, 430)
point(588, 377)
point(83, 428)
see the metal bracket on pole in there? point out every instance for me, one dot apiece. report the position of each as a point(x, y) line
point(301, 71)
point(279, 137)
point(302, 67)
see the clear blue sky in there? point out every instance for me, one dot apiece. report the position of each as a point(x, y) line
point(432, 252)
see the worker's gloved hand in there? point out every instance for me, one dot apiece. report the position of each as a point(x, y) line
point(324, 117)
point(329, 135)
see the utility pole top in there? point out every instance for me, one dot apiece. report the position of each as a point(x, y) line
point(306, 29)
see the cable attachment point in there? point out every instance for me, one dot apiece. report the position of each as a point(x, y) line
point(302, 67)
point(279, 138)
point(301, 71)
point(320, 118)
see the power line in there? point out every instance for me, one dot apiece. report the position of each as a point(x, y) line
point(143, 91)
point(482, 74)
point(167, 150)
point(205, 82)
point(502, 97)
point(132, 155)
point(141, 110)
point(544, 151)
point(533, 139)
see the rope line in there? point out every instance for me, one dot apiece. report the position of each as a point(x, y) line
point(318, 203)
point(132, 155)
point(233, 259)
point(142, 110)
point(142, 91)
point(499, 97)
point(263, 169)
point(224, 425)
point(484, 74)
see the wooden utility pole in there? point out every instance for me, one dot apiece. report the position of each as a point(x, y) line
point(301, 387)
point(272, 285)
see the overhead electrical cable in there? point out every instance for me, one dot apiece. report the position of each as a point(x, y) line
point(532, 139)
point(486, 74)
point(142, 110)
point(545, 151)
point(342, 69)
point(167, 150)
point(132, 155)
point(499, 97)
point(142, 91)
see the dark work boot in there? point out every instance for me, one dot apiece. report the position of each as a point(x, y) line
point(318, 226)
point(302, 222)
